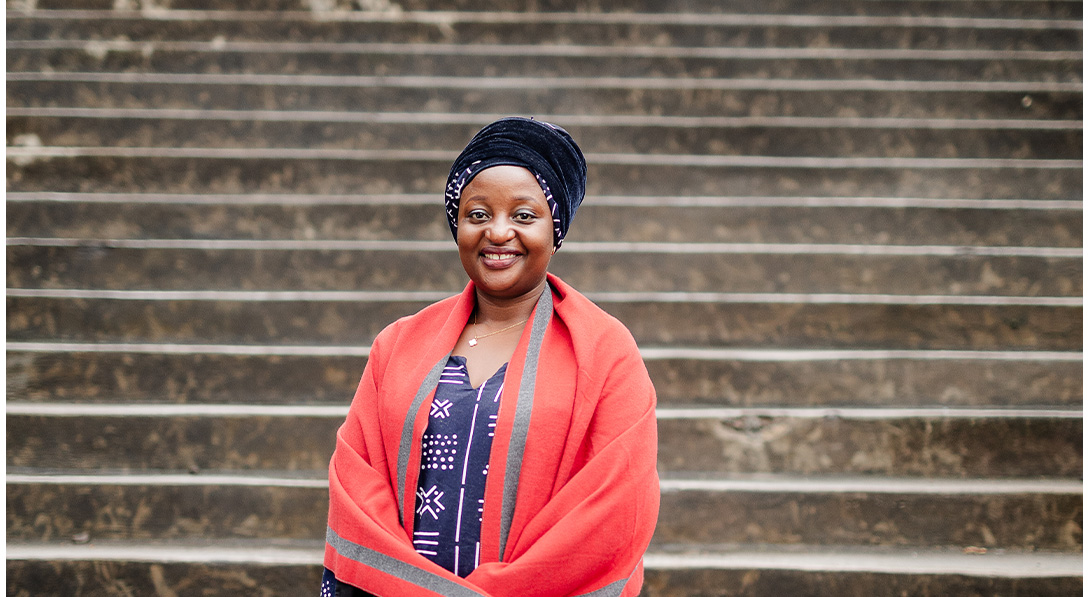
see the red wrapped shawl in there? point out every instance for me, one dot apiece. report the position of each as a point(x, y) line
point(572, 493)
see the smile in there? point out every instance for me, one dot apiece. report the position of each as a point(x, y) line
point(500, 256)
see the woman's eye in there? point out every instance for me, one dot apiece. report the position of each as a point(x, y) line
point(477, 214)
point(525, 216)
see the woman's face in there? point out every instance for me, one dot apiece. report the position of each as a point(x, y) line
point(504, 232)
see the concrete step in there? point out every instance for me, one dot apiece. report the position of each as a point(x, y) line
point(921, 442)
point(510, 60)
point(186, 170)
point(163, 374)
point(799, 9)
point(600, 219)
point(925, 443)
point(718, 26)
point(1042, 515)
point(535, 95)
point(591, 267)
point(745, 322)
point(294, 568)
point(649, 136)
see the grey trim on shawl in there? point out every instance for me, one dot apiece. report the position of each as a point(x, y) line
point(429, 384)
point(428, 580)
point(541, 317)
point(612, 589)
point(397, 568)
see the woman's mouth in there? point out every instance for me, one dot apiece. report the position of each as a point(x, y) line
point(499, 260)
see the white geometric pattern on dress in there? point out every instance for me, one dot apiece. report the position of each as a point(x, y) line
point(428, 499)
point(455, 526)
point(440, 409)
point(427, 539)
point(439, 451)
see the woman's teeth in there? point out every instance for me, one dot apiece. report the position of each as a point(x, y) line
point(500, 257)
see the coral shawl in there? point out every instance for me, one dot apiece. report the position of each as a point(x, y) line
point(572, 493)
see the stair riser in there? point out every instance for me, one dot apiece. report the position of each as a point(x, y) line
point(499, 64)
point(725, 583)
point(331, 380)
point(328, 10)
point(594, 222)
point(933, 447)
point(28, 578)
point(930, 447)
point(315, 175)
point(167, 269)
point(159, 512)
point(37, 578)
point(553, 100)
point(635, 32)
point(931, 327)
point(833, 140)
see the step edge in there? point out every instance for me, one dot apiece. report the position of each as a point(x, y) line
point(1007, 565)
point(19, 155)
point(648, 353)
point(672, 483)
point(308, 200)
point(594, 247)
point(552, 83)
point(228, 410)
point(600, 297)
point(546, 50)
point(450, 17)
point(580, 120)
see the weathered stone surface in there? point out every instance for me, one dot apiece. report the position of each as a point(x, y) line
point(886, 382)
point(668, 219)
point(728, 583)
point(917, 446)
point(132, 512)
point(1029, 521)
point(553, 98)
point(196, 378)
point(322, 11)
point(27, 578)
point(58, 512)
point(503, 62)
point(647, 138)
point(35, 578)
point(307, 174)
point(172, 443)
point(924, 447)
point(104, 267)
point(616, 31)
point(743, 324)
point(208, 378)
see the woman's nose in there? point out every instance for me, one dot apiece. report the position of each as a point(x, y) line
point(500, 230)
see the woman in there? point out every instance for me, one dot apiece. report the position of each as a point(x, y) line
point(503, 441)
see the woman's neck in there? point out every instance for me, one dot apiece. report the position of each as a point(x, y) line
point(492, 311)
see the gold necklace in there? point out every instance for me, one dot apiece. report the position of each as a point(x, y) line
point(473, 340)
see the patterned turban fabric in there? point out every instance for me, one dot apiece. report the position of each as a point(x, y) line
point(544, 149)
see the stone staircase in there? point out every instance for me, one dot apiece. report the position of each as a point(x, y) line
point(846, 235)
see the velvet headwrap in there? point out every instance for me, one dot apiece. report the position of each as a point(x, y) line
point(544, 149)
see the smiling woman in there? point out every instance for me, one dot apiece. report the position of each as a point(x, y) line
point(503, 441)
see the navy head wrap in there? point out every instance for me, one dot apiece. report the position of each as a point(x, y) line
point(544, 149)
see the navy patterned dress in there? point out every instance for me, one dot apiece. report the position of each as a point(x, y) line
point(457, 445)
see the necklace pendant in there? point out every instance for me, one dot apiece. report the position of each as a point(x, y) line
point(472, 342)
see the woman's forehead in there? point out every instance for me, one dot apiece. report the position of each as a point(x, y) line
point(503, 182)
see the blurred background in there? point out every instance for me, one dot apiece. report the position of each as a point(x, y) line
point(847, 236)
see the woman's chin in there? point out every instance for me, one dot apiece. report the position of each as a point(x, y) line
point(505, 284)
